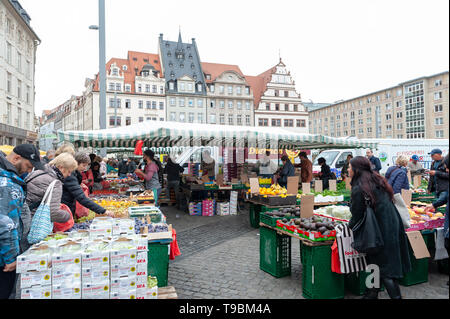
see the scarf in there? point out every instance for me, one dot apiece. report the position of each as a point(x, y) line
point(59, 175)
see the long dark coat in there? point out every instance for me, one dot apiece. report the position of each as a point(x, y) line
point(393, 259)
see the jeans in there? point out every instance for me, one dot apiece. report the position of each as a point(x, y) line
point(7, 281)
point(175, 185)
point(441, 199)
point(156, 194)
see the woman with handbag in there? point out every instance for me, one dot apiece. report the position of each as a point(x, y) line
point(377, 227)
point(38, 182)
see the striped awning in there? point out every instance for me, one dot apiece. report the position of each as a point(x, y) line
point(175, 134)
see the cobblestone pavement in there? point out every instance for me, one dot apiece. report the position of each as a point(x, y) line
point(220, 260)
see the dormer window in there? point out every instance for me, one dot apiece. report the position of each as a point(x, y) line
point(171, 64)
point(208, 76)
point(125, 68)
point(180, 56)
point(199, 87)
point(190, 56)
point(169, 54)
point(115, 72)
point(182, 65)
point(192, 66)
point(134, 59)
point(172, 74)
point(146, 60)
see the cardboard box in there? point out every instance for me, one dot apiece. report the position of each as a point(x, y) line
point(152, 293)
point(95, 274)
point(66, 277)
point(32, 279)
point(94, 259)
point(34, 260)
point(123, 227)
point(40, 292)
point(142, 258)
point(141, 277)
point(119, 271)
point(97, 290)
point(61, 291)
point(124, 294)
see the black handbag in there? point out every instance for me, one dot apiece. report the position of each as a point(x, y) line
point(367, 238)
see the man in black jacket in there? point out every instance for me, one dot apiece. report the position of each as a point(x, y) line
point(72, 191)
point(123, 167)
point(173, 171)
point(374, 161)
point(438, 178)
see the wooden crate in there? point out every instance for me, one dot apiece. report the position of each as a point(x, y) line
point(167, 293)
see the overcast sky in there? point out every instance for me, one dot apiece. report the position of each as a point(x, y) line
point(334, 49)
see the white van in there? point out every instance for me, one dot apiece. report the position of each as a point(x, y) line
point(388, 151)
point(194, 155)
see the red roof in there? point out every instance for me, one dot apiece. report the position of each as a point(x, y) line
point(258, 86)
point(135, 60)
point(217, 69)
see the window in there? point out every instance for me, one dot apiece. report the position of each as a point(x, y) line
point(149, 105)
point(239, 105)
point(230, 90)
point(247, 120)
point(239, 90)
point(128, 104)
point(399, 126)
point(230, 119)
point(230, 104)
point(124, 67)
point(378, 98)
point(181, 102)
point(222, 119)
point(286, 93)
point(388, 117)
point(199, 103)
point(173, 116)
point(208, 76)
point(222, 104)
point(247, 90)
point(440, 134)
point(439, 121)
point(9, 82)
point(161, 89)
point(111, 87)
point(360, 121)
point(191, 103)
point(127, 88)
point(437, 82)
point(437, 95)
point(147, 88)
point(276, 122)
point(277, 93)
point(399, 103)
point(118, 87)
point(200, 117)
point(399, 92)
point(352, 115)
point(112, 121)
point(161, 105)
point(28, 95)
point(141, 119)
point(154, 89)
point(19, 89)
point(277, 107)
point(213, 103)
point(189, 87)
point(191, 117)
point(286, 107)
point(141, 104)
point(181, 86)
point(247, 105)
point(221, 89)
point(139, 88)
point(211, 88)
point(288, 123)
point(212, 118)
point(8, 52)
point(388, 95)
point(369, 130)
point(239, 119)
point(182, 117)
point(360, 112)
point(19, 62)
point(115, 72)
point(172, 101)
point(171, 86)
point(154, 105)
point(399, 115)
point(267, 106)
point(438, 108)
point(295, 108)
point(263, 122)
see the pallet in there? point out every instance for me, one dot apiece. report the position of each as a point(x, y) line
point(167, 293)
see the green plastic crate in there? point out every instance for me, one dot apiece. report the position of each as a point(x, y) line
point(301, 251)
point(356, 283)
point(318, 281)
point(254, 215)
point(158, 262)
point(419, 271)
point(274, 253)
point(443, 266)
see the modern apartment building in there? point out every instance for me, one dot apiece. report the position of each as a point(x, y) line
point(277, 103)
point(18, 44)
point(230, 98)
point(413, 109)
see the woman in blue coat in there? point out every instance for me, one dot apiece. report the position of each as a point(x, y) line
point(397, 175)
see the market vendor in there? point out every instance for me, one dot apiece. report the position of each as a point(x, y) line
point(344, 172)
point(325, 173)
point(173, 171)
point(438, 179)
point(208, 165)
point(266, 167)
point(123, 167)
point(287, 170)
point(415, 167)
point(151, 174)
point(305, 165)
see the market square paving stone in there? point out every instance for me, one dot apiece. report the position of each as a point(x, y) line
point(220, 259)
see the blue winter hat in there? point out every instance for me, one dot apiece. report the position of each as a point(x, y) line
point(415, 157)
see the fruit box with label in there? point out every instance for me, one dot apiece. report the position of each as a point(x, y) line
point(93, 274)
point(97, 290)
point(123, 226)
point(42, 292)
point(118, 271)
point(34, 278)
point(123, 252)
point(67, 257)
point(63, 291)
point(34, 259)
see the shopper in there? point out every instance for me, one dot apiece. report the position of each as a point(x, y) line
point(50, 155)
point(306, 166)
point(438, 179)
point(397, 175)
point(37, 183)
point(344, 172)
point(72, 191)
point(415, 167)
point(266, 166)
point(24, 158)
point(123, 167)
point(131, 166)
point(393, 258)
point(95, 168)
point(325, 173)
point(66, 148)
point(151, 174)
point(208, 165)
point(446, 231)
point(173, 171)
point(102, 163)
point(374, 161)
point(87, 178)
point(110, 166)
point(287, 170)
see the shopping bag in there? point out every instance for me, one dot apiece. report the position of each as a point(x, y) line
point(41, 224)
point(174, 249)
point(62, 227)
point(366, 234)
point(402, 210)
point(80, 210)
point(349, 259)
point(335, 263)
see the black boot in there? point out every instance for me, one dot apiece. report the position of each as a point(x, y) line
point(392, 288)
point(371, 293)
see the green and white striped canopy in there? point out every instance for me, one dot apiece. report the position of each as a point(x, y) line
point(175, 134)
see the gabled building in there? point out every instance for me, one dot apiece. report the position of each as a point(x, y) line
point(185, 83)
point(277, 103)
point(230, 98)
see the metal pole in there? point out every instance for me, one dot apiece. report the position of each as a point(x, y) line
point(102, 65)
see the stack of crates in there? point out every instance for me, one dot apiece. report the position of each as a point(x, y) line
point(419, 271)
point(275, 253)
point(195, 209)
point(318, 281)
point(158, 262)
point(254, 215)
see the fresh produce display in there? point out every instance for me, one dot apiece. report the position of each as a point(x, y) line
point(274, 190)
point(55, 237)
point(341, 212)
point(315, 228)
point(142, 223)
point(81, 226)
point(419, 215)
point(285, 212)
